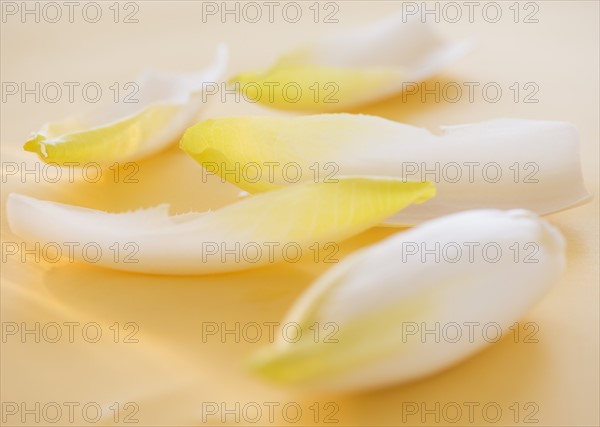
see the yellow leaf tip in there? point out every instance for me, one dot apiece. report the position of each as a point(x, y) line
point(34, 143)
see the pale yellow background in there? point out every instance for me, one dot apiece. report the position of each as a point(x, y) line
point(170, 372)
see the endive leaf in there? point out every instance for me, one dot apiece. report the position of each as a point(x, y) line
point(353, 67)
point(250, 233)
point(504, 163)
point(389, 300)
point(167, 103)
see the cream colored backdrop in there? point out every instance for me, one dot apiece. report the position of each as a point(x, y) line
point(170, 372)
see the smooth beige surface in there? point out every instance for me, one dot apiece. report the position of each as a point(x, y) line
point(170, 372)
